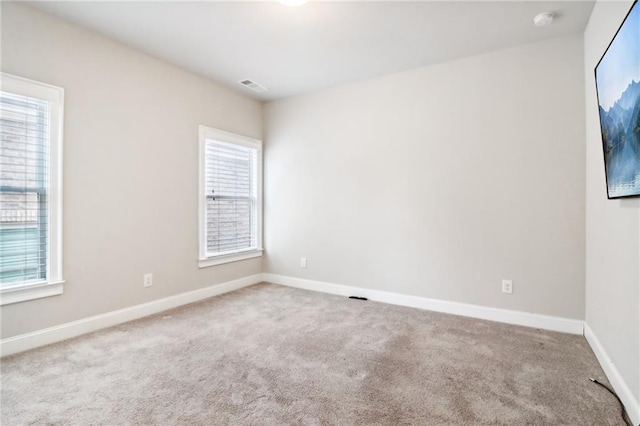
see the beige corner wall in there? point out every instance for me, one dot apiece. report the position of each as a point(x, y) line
point(130, 167)
point(435, 182)
point(438, 182)
point(613, 226)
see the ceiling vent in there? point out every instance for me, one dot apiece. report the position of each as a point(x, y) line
point(253, 86)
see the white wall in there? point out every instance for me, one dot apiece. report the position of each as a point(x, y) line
point(438, 182)
point(130, 167)
point(612, 239)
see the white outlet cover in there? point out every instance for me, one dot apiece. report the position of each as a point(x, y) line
point(303, 262)
point(147, 280)
point(507, 286)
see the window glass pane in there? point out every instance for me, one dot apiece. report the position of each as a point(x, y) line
point(229, 225)
point(230, 185)
point(228, 170)
point(24, 187)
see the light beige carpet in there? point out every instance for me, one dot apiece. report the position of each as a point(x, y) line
point(271, 355)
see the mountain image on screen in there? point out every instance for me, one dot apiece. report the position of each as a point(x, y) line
point(621, 139)
point(618, 85)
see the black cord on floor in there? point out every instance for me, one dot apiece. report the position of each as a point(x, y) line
point(624, 414)
point(358, 298)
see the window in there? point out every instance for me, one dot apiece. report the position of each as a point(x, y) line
point(230, 197)
point(30, 189)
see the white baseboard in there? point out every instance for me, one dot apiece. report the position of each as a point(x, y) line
point(616, 380)
point(565, 325)
point(60, 332)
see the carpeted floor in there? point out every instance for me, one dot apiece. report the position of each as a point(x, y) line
point(272, 355)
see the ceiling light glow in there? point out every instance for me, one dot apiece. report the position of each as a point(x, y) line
point(293, 3)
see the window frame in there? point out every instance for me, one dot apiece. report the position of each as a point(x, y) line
point(205, 133)
point(53, 284)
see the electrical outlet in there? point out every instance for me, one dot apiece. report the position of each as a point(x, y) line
point(303, 262)
point(507, 286)
point(148, 280)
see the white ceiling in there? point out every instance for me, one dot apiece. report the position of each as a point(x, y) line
point(321, 44)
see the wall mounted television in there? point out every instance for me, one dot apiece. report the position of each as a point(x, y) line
point(618, 91)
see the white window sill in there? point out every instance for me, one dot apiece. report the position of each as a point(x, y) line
point(219, 260)
point(22, 293)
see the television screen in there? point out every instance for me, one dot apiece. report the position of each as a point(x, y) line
point(618, 88)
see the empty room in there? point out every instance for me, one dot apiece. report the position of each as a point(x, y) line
point(308, 212)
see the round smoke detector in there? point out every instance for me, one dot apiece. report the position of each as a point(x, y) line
point(543, 19)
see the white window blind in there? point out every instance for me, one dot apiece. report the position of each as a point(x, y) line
point(30, 207)
point(231, 194)
point(24, 188)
